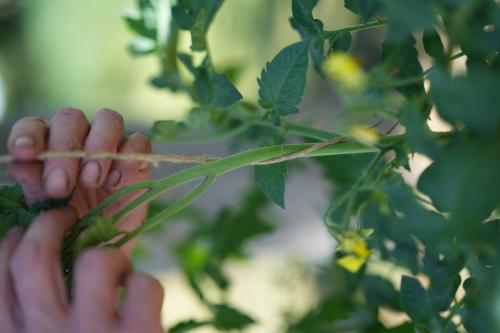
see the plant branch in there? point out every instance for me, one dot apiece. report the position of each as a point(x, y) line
point(168, 212)
point(357, 27)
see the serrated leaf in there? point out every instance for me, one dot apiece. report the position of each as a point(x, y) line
point(283, 80)
point(400, 58)
point(271, 180)
point(227, 318)
point(365, 8)
point(100, 230)
point(415, 301)
point(340, 42)
point(224, 92)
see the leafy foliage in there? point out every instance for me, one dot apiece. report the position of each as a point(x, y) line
point(283, 80)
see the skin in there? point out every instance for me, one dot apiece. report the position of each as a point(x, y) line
point(33, 297)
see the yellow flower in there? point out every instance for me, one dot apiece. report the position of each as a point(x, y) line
point(365, 134)
point(356, 249)
point(346, 70)
point(351, 263)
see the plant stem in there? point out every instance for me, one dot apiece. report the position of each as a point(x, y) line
point(357, 27)
point(220, 167)
point(168, 212)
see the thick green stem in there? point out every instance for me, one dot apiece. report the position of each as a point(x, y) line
point(220, 167)
point(168, 212)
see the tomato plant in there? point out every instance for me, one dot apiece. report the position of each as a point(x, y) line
point(443, 233)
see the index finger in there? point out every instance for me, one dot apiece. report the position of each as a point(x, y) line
point(27, 138)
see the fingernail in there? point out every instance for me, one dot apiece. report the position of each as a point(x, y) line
point(113, 178)
point(57, 182)
point(91, 173)
point(24, 141)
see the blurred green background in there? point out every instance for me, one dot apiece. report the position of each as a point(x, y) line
point(58, 53)
point(74, 53)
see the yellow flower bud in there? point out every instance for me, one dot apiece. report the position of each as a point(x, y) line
point(344, 69)
point(356, 249)
point(365, 134)
point(351, 263)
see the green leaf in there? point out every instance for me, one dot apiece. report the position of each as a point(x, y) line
point(198, 32)
point(471, 100)
point(433, 45)
point(271, 180)
point(101, 230)
point(283, 80)
point(460, 181)
point(227, 318)
point(303, 20)
point(167, 130)
point(445, 279)
point(400, 59)
point(365, 8)
point(340, 42)
point(140, 26)
point(14, 212)
point(196, 16)
point(224, 93)
point(379, 291)
point(415, 301)
point(202, 86)
point(407, 15)
point(317, 50)
point(186, 326)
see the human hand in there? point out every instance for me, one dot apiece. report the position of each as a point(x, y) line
point(33, 295)
point(89, 181)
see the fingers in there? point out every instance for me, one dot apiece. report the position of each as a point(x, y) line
point(143, 304)
point(68, 130)
point(105, 135)
point(98, 275)
point(29, 175)
point(7, 296)
point(27, 138)
point(124, 173)
point(38, 282)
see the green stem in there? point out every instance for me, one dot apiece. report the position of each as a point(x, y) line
point(168, 212)
point(222, 166)
point(288, 126)
point(357, 27)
